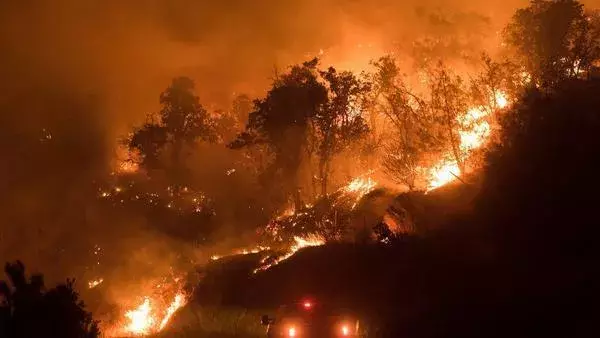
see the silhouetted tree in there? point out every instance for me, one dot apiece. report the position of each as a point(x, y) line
point(281, 120)
point(339, 122)
point(182, 122)
point(31, 311)
point(229, 123)
point(554, 40)
point(147, 142)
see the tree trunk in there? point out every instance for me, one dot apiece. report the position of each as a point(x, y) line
point(454, 144)
point(297, 199)
point(323, 176)
point(176, 164)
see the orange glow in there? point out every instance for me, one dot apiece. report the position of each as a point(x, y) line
point(152, 312)
point(246, 251)
point(149, 318)
point(475, 130)
point(501, 100)
point(292, 332)
point(177, 303)
point(140, 319)
point(345, 330)
point(445, 172)
point(359, 186)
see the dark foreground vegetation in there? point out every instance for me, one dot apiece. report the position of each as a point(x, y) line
point(29, 309)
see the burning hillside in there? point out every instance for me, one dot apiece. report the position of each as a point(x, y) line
point(149, 309)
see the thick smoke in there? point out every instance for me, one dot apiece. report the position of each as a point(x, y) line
point(77, 74)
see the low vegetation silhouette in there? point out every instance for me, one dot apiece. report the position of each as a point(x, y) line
point(30, 310)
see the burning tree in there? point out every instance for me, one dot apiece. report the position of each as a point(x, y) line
point(306, 111)
point(411, 120)
point(448, 101)
point(147, 141)
point(339, 122)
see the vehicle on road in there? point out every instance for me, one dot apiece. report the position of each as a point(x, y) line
point(311, 319)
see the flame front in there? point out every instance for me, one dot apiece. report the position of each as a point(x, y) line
point(140, 319)
point(359, 186)
point(246, 251)
point(300, 242)
point(475, 131)
point(158, 306)
point(444, 173)
point(177, 303)
point(149, 318)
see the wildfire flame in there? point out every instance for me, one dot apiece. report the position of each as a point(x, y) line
point(254, 250)
point(93, 283)
point(359, 186)
point(300, 242)
point(177, 303)
point(474, 133)
point(443, 173)
point(152, 312)
point(140, 319)
point(148, 318)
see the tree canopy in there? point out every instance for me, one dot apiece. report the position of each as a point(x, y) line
point(554, 40)
point(181, 122)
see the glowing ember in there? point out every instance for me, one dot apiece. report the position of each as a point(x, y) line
point(141, 320)
point(128, 167)
point(93, 283)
